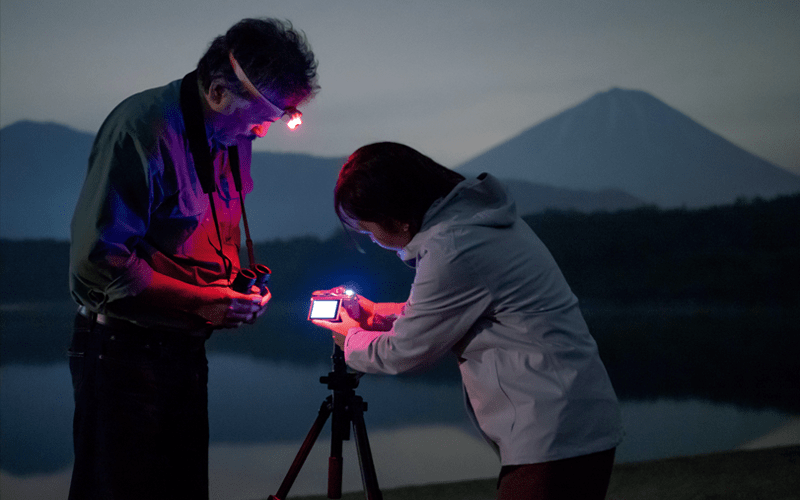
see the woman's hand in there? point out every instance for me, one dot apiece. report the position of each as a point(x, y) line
point(359, 308)
point(340, 328)
point(356, 311)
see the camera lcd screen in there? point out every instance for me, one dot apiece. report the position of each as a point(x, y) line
point(324, 309)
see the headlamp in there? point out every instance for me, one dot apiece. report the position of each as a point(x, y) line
point(292, 116)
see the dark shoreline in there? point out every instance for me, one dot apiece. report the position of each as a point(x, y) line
point(763, 474)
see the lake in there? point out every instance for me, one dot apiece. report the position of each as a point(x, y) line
point(260, 411)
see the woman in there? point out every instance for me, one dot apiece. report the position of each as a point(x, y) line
point(487, 289)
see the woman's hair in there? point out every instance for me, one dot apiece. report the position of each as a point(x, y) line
point(272, 54)
point(390, 183)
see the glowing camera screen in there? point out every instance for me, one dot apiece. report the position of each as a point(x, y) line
point(324, 309)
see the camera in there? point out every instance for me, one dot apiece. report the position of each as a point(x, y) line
point(328, 306)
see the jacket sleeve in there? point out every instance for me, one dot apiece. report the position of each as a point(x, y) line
point(447, 299)
point(112, 214)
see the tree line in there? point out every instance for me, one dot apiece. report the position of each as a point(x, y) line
point(702, 302)
point(747, 252)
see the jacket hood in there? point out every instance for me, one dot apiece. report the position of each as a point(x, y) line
point(482, 201)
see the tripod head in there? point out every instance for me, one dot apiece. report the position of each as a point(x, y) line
point(340, 379)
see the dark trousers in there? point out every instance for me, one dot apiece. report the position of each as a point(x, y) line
point(141, 413)
point(579, 478)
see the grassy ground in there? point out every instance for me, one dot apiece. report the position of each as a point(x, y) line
point(765, 474)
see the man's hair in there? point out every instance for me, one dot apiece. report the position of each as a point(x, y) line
point(272, 54)
point(390, 183)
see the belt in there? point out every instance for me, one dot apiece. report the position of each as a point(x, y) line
point(128, 326)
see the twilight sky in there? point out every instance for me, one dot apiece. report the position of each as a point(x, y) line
point(452, 78)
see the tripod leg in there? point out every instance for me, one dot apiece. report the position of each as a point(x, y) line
point(305, 449)
point(340, 431)
point(368, 476)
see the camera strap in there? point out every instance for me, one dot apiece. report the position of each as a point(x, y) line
point(192, 109)
point(237, 182)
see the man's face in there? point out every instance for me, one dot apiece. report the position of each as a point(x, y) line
point(241, 119)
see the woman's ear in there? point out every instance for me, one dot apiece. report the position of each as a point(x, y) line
point(403, 227)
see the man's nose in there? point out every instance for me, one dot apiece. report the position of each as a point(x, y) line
point(260, 129)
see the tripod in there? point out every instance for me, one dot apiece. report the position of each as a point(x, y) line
point(344, 406)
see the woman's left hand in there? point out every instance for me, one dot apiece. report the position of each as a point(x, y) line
point(340, 329)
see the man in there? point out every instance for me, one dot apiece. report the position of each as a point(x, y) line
point(154, 252)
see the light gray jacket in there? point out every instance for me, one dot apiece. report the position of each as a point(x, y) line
point(488, 289)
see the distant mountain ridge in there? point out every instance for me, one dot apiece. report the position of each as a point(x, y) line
point(629, 140)
point(44, 164)
point(42, 167)
point(618, 149)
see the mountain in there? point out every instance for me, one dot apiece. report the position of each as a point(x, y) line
point(44, 164)
point(629, 140)
point(533, 198)
point(293, 196)
point(618, 149)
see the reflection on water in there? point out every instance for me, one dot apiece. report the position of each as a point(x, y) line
point(261, 411)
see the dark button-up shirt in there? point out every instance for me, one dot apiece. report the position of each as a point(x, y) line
point(142, 210)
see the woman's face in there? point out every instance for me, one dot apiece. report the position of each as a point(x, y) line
point(391, 239)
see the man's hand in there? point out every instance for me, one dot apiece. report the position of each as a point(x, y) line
point(262, 306)
point(230, 309)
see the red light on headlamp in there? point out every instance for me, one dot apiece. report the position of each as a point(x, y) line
point(293, 119)
point(291, 115)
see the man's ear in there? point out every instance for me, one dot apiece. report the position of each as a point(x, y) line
point(220, 98)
